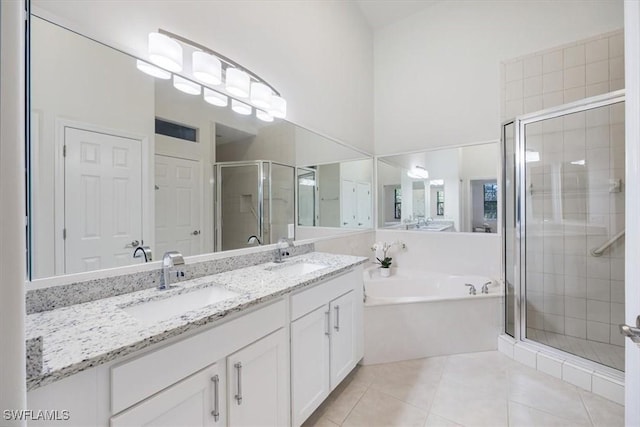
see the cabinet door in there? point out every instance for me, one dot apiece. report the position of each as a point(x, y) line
point(195, 401)
point(258, 379)
point(343, 338)
point(309, 362)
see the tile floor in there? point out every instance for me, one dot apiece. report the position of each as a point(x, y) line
point(474, 389)
point(607, 354)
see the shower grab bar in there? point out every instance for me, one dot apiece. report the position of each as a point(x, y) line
point(600, 250)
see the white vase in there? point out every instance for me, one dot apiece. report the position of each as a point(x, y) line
point(385, 272)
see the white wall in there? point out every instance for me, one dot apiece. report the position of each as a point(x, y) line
point(318, 54)
point(437, 72)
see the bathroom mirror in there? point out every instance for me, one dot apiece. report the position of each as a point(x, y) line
point(444, 190)
point(119, 160)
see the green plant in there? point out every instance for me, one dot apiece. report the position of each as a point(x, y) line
point(385, 262)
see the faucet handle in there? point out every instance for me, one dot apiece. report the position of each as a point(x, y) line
point(485, 287)
point(472, 289)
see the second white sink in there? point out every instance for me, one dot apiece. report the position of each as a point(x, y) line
point(298, 268)
point(178, 304)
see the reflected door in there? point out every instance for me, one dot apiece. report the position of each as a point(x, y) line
point(363, 204)
point(348, 203)
point(177, 206)
point(240, 204)
point(102, 200)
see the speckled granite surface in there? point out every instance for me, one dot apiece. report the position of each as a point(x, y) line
point(45, 299)
point(80, 336)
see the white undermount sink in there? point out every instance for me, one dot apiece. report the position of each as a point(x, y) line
point(298, 268)
point(178, 304)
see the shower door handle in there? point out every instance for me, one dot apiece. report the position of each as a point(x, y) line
point(632, 332)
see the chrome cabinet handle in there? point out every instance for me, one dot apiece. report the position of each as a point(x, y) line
point(326, 331)
point(337, 327)
point(216, 398)
point(238, 395)
point(133, 244)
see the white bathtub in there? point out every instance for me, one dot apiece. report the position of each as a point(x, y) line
point(415, 314)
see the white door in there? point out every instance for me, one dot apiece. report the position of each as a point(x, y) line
point(363, 204)
point(310, 337)
point(348, 203)
point(196, 401)
point(343, 337)
point(178, 203)
point(258, 379)
point(102, 200)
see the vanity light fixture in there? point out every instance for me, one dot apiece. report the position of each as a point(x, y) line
point(215, 98)
point(152, 70)
point(240, 107)
point(165, 52)
point(212, 69)
point(418, 172)
point(206, 68)
point(186, 86)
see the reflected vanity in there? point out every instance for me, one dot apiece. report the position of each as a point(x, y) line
point(444, 190)
point(121, 160)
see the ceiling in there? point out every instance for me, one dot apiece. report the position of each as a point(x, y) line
point(380, 13)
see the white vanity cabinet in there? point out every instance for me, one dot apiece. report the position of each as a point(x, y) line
point(197, 401)
point(326, 340)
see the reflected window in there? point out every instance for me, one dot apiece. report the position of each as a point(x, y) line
point(397, 203)
point(440, 203)
point(490, 192)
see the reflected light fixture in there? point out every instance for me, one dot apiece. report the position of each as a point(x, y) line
point(579, 162)
point(215, 98)
point(206, 68)
point(240, 107)
point(307, 182)
point(186, 86)
point(531, 156)
point(211, 69)
point(165, 52)
point(436, 182)
point(152, 70)
point(418, 172)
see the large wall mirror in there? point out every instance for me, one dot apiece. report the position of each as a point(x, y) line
point(445, 190)
point(119, 160)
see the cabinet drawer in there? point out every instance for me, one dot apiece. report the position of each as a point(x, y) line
point(310, 299)
point(136, 379)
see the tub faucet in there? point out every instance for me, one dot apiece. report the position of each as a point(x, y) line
point(485, 288)
point(472, 289)
point(145, 252)
point(170, 260)
point(283, 243)
point(252, 240)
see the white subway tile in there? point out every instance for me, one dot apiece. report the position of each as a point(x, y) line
point(608, 388)
point(576, 375)
point(597, 50)
point(525, 355)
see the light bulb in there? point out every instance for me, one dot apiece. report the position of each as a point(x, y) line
point(152, 70)
point(215, 98)
point(261, 95)
point(240, 107)
point(207, 68)
point(165, 52)
point(237, 82)
point(265, 117)
point(186, 86)
point(278, 107)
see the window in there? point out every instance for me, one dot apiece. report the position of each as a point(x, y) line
point(440, 203)
point(176, 130)
point(490, 192)
point(397, 203)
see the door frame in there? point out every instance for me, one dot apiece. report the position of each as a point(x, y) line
point(61, 124)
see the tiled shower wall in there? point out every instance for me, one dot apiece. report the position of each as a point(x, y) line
point(563, 74)
point(570, 206)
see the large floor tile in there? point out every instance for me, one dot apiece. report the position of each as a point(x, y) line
point(426, 370)
point(342, 401)
point(603, 412)
point(379, 409)
point(434, 420)
point(524, 416)
point(410, 391)
point(467, 406)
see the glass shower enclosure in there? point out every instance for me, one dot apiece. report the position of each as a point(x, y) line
point(253, 198)
point(563, 228)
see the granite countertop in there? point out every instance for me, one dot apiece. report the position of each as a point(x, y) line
point(80, 336)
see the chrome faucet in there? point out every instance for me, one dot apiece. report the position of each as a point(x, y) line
point(252, 240)
point(485, 288)
point(170, 260)
point(145, 251)
point(283, 243)
point(472, 289)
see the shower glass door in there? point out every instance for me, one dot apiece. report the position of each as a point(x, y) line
point(571, 196)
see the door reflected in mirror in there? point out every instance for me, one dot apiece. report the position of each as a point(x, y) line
point(446, 190)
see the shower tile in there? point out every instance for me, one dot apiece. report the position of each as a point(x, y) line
point(535, 260)
point(552, 142)
point(575, 307)
point(549, 365)
point(617, 269)
point(552, 82)
point(574, 94)
point(574, 55)
point(617, 206)
point(554, 304)
point(575, 265)
point(598, 311)
point(597, 72)
point(574, 77)
point(513, 71)
point(616, 338)
point(554, 323)
point(597, 137)
point(532, 66)
point(535, 281)
point(616, 85)
point(553, 284)
point(513, 108)
point(598, 117)
point(616, 68)
point(598, 159)
point(575, 121)
point(617, 249)
point(532, 86)
point(553, 99)
point(598, 289)
point(616, 157)
point(616, 45)
point(553, 264)
point(598, 268)
point(575, 327)
point(597, 50)
point(617, 291)
point(597, 331)
point(616, 113)
point(616, 135)
point(552, 61)
point(513, 90)
point(597, 88)
point(617, 313)
point(575, 245)
point(552, 125)
point(577, 376)
point(532, 103)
